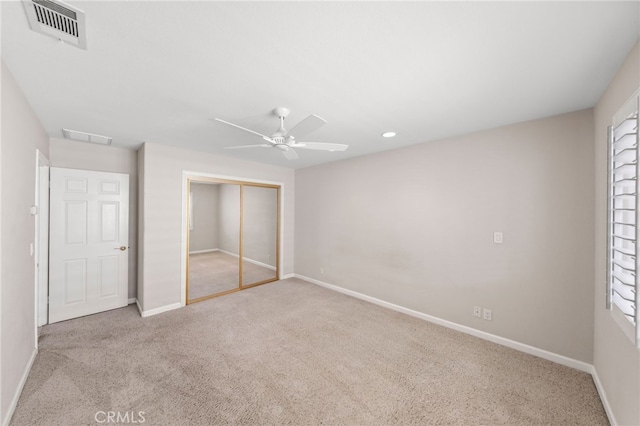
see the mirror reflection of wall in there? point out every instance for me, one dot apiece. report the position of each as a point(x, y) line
point(213, 239)
point(203, 229)
point(260, 220)
point(229, 220)
point(219, 232)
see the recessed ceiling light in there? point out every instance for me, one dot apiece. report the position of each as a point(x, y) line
point(388, 134)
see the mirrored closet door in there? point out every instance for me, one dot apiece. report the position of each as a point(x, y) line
point(260, 234)
point(233, 236)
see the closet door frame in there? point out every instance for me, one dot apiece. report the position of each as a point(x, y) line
point(189, 178)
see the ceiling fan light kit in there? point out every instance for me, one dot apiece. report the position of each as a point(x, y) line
point(284, 140)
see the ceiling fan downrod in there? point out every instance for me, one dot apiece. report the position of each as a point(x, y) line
point(282, 113)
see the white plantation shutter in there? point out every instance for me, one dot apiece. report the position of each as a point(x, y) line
point(622, 239)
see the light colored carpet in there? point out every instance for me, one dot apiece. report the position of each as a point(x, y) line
point(215, 272)
point(292, 353)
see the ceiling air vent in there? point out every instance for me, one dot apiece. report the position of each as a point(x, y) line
point(57, 19)
point(86, 137)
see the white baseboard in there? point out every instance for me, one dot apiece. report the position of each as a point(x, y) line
point(603, 396)
point(157, 311)
point(131, 301)
point(16, 396)
point(285, 277)
point(203, 251)
point(522, 347)
point(246, 259)
point(264, 265)
point(228, 252)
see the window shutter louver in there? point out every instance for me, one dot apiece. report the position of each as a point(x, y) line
point(622, 218)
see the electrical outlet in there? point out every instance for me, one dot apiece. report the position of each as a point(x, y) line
point(321, 271)
point(486, 314)
point(477, 311)
point(497, 237)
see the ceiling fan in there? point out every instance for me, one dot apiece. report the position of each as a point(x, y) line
point(285, 141)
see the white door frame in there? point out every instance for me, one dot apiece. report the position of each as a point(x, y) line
point(41, 240)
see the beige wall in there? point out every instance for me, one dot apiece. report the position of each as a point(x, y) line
point(162, 218)
point(616, 360)
point(414, 227)
point(204, 235)
point(260, 221)
point(22, 134)
point(2, 385)
point(87, 156)
point(229, 218)
point(141, 227)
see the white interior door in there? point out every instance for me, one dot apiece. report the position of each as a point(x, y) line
point(89, 238)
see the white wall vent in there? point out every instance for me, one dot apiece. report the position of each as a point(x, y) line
point(86, 137)
point(57, 19)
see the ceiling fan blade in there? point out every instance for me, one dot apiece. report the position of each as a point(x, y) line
point(248, 146)
point(321, 146)
point(242, 128)
point(290, 154)
point(306, 126)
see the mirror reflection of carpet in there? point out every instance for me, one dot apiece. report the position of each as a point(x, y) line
point(215, 272)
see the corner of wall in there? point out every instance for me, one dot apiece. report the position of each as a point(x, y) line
point(603, 396)
point(141, 226)
point(14, 401)
point(616, 360)
point(22, 135)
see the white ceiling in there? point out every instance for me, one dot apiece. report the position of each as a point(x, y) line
point(159, 71)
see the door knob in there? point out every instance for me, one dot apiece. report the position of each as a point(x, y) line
point(121, 248)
